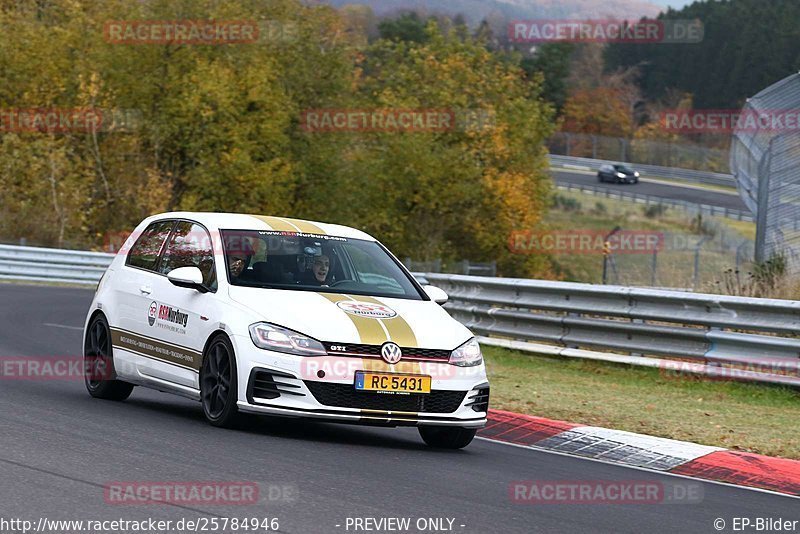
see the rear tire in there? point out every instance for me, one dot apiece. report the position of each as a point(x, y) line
point(445, 437)
point(219, 387)
point(98, 359)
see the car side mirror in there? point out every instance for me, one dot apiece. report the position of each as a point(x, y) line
point(436, 294)
point(188, 277)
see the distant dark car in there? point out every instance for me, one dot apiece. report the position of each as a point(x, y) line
point(620, 174)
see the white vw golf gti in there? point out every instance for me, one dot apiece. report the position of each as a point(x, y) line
point(271, 315)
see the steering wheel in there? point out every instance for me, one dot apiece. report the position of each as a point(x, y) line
point(336, 283)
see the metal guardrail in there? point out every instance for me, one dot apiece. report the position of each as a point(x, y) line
point(706, 209)
point(35, 264)
point(689, 175)
point(566, 319)
point(711, 332)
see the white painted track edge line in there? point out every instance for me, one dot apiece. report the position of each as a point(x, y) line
point(655, 471)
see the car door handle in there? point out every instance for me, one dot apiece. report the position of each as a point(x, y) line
point(145, 290)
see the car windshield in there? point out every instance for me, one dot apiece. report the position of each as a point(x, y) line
point(623, 168)
point(313, 262)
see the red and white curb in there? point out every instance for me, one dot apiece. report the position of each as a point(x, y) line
point(646, 452)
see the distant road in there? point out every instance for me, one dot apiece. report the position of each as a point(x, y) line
point(686, 193)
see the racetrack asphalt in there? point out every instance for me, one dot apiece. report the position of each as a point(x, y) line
point(59, 448)
point(657, 189)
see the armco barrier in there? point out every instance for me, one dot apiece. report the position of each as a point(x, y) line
point(35, 264)
point(741, 338)
point(565, 319)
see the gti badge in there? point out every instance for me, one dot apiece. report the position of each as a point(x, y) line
point(391, 353)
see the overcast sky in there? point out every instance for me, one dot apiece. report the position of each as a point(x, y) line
point(677, 4)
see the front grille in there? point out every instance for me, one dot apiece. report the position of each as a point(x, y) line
point(375, 350)
point(270, 385)
point(346, 396)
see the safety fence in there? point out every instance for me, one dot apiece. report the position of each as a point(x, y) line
point(721, 336)
point(739, 338)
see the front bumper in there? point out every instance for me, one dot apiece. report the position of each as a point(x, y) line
point(323, 388)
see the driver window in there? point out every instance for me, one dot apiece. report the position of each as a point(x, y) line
point(190, 246)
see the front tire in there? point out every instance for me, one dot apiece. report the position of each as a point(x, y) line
point(218, 384)
point(445, 437)
point(98, 359)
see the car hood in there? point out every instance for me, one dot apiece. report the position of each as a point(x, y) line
point(340, 318)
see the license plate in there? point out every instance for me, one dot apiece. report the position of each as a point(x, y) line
point(388, 383)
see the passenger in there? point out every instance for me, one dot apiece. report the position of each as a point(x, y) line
point(236, 264)
point(239, 252)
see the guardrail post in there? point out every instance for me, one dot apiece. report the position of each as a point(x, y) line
point(654, 266)
point(696, 276)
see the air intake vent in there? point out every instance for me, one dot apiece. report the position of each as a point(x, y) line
point(480, 400)
point(271, 385)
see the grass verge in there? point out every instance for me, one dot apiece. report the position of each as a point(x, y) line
point(738, 416)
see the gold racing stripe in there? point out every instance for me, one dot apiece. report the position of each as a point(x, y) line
point(371, 333)
point(306, 227)
point(276, 224)
point(369, 330)
point(399, 330)
point(285, 224)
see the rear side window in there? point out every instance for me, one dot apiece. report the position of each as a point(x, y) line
point(144, 253)
point(189, 246)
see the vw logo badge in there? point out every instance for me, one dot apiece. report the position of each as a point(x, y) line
point(391, 353)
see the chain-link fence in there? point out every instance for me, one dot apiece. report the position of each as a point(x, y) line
point(453, 267)
point(642, 151)
point(765, 160)
point(708, 261)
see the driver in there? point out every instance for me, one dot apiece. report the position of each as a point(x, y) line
point(321, 268)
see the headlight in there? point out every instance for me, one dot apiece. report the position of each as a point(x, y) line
point(620, 175)
point(271, 337)
point(636, 174)
point(467, 355)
